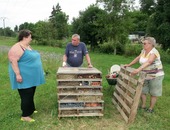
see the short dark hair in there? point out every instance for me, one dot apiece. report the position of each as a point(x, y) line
point(23, 33)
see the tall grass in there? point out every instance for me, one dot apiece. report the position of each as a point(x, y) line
point(46, 99)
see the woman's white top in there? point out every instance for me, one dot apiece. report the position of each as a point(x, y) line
point(156, 68)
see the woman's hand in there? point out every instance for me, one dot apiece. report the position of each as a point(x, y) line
point(19, 78)
point(134, 72)
point(126, 65)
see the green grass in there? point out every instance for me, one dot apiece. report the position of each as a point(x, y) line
point(7, 40)
point(46, 99)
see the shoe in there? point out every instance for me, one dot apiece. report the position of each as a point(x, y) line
point(150, 110)
point(28, 120)
point(35, 111)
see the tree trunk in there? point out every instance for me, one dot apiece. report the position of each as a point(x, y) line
point(115, 51)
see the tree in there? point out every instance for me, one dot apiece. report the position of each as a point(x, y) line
point(138, 20)
point(16, 29)
point(117, 22)
point(7, 32)
point(90, 26)
point(59, 19)
point(42, 33)
point(159, 23)
point(148, 6)
point(26, 25)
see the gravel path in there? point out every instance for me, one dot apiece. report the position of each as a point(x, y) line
point(44, 55)
point(4, 48)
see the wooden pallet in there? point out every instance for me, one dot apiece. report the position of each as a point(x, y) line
point(127, 93)
point(79, 92)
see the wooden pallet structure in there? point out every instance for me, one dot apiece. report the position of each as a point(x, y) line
point(79, 92)
point(126, 95)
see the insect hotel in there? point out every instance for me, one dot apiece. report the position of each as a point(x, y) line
point(79, 92)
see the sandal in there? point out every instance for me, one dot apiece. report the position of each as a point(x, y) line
point(150, 110)
point(35, 111)
point(27, 119)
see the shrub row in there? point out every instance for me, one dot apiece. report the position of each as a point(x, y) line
point(131, 49)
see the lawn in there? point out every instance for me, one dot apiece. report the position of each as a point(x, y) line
point(46, 98)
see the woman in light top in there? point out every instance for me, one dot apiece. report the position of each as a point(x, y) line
point(26, 72)
point(151, 64)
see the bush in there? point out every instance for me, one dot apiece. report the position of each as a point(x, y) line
point(135, 50)
point(41, 42)
point(132, 49)
point(164, 55)
point(56, 43)
point(114, 46)
point(51, 42)
point(61, 43)
point(106, 48)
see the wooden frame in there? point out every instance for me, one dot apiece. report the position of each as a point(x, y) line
point(79, 92)
point(127, 93)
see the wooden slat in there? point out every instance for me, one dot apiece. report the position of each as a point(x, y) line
point(129, 69)
point(81, 115)
point(77, 70)
point(82, 108)
point(122, 102)
point(132, 80)
point(135, 104)
point(82, 94)
point(76, 87)
point(74, 101)
point(129, 88)
point(125, 95)
point(120, 110)
point(69, 80)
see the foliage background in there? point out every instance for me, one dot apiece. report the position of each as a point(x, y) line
point(106, 22)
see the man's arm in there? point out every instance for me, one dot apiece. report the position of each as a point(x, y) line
point(64, 60)
point(88, 61)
